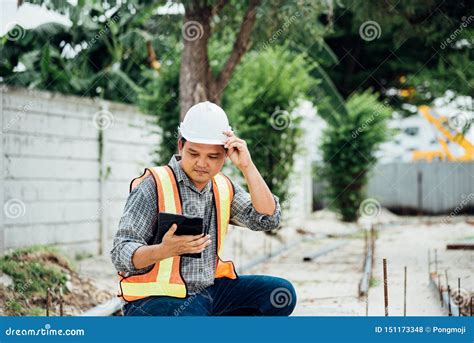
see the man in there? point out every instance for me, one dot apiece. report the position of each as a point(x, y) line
point(155, 279)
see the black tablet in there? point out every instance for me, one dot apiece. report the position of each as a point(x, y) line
point(187, 225)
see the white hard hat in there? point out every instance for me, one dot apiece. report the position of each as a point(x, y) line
point(204, 123)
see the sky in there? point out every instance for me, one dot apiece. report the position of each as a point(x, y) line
point(28, 16)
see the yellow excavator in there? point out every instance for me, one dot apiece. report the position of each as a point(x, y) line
point(443, 154)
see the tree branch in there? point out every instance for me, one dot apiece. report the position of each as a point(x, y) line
point(240, 46)
point(217, 8)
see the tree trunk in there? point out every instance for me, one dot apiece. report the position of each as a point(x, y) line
point(194, 74)
point(196, 82)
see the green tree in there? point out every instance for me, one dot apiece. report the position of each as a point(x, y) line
point(424, 46)
point(261, 100)
point(118, 47)
point(107, 52)
point(349, 148)
point(162, 100)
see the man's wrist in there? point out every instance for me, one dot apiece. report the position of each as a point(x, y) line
point(159, 252)
point(249, 169)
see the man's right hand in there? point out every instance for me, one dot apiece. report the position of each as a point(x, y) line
point(171, 245)
point(174, 245)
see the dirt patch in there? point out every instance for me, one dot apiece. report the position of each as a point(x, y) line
point(27, 274)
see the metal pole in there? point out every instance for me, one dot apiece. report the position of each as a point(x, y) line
point(429, 264)
point(459, 299)
point(385, 285)
point(405, 294)
point(440, 289)
point(449, 301)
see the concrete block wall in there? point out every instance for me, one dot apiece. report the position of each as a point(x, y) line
point(66, 163)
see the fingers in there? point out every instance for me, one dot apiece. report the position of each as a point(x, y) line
point(201, 247)
point(200, 241)
point(196, 246)
point(233, 139)
point(237, 145)
point(191, 238)
point(171, 230)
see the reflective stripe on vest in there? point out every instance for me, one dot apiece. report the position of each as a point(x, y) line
point(165, 277)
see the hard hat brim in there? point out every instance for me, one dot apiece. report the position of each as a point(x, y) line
point(203, 141)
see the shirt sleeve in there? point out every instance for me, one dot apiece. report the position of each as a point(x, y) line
point(135, 227)
point(244, 214)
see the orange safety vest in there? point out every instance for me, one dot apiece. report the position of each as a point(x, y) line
point(165, 278)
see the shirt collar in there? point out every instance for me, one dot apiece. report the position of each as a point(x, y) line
point(182, 177)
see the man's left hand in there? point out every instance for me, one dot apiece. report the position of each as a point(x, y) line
point(237, 151)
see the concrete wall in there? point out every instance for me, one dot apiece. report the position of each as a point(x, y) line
point(437, 187)
point(52, 152)
point(65, 174)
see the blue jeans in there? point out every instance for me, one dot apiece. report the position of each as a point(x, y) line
point(248, 295)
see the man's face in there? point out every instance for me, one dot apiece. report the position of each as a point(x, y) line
point(201, 162)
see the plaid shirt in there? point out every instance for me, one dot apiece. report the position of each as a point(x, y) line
point(140, 216)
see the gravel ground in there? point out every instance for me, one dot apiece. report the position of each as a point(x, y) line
point(328, 285)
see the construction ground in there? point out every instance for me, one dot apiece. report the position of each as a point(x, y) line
point(329, 263)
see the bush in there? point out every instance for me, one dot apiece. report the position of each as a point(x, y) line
point(349, 146)
point(259, 99)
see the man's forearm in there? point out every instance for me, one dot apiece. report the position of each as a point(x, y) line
point(147, 255)
point(262, 198)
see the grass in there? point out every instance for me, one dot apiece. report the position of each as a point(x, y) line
point(33, 270)
point(82, 256)
point(374, 282)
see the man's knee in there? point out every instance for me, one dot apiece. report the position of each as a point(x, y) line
point(282, 297)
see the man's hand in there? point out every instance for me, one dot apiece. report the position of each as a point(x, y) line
point(262, 198)
point(237, 151)
point(174, 245)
